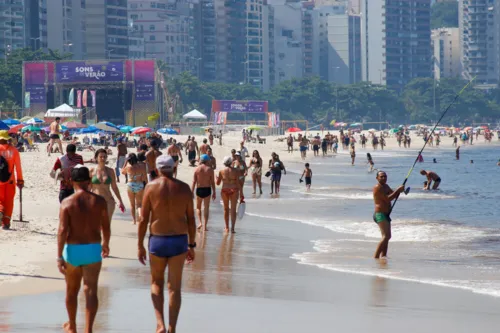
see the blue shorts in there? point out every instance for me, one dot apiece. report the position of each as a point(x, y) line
point(168, 246)
point(82, 254)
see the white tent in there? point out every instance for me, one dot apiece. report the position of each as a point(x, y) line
point(63, 111)
point(194, 114)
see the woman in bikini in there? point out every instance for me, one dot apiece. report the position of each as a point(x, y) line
point(230, 189)
point(240, 165)
point(103, 179)
point(256, 170)
point(137, 178)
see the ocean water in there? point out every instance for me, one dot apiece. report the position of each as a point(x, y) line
point(448, 238)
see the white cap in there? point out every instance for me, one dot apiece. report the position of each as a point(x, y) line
point(165, 162)
point(227, 160)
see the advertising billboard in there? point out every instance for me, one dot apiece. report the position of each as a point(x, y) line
point(81, 71)
point(239, 106)
point(34, 75)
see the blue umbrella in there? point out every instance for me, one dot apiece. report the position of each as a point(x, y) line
point(90, 129)
point(167, 130)
point(3, 126)
point(11, 122)
point(33, 121)
point(125, 129)
point(107, 126)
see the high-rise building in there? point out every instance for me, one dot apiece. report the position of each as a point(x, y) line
point(479, 39)
point(288, 40)
point(446, 53)
point(395, 41)
point(244, 32)
point(65, 27)
point(166, 29)
point(35, 18)
point(321, 48)
point(106, 29)
point(12, 25)
point(344, 48)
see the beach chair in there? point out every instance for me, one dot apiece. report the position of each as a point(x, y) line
point(261, 140)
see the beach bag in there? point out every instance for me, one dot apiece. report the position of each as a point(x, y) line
point(4, 170)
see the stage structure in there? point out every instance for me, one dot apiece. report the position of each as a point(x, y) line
point(120, 91)
point(221, 109)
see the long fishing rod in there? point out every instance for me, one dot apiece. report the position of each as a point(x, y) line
point(432, 132)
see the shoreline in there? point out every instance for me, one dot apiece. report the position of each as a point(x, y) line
point(121, 227)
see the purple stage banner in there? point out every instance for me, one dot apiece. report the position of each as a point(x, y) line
point(37, 93)
point(145, 91)
point(240, 106)
point(81, 71)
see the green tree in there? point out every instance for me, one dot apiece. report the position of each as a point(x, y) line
point(444, 14)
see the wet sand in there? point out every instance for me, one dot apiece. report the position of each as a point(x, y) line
point(248, 283)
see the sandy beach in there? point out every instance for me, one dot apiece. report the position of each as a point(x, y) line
point(235, 279)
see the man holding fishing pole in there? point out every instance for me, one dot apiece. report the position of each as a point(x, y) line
point(383, 195)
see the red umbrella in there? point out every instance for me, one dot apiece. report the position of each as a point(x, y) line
point(142, 130)
point(74, 124)
point(16, 128)
point(294, 129)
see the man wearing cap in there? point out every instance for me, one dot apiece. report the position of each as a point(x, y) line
point(8, 188)
point(66, 163)
point(168, 204)
point(204, 182)
point(121, 147)
point(82, 242)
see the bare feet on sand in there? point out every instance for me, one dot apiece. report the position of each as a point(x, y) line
point(67, 328)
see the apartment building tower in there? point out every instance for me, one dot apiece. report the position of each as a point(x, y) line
point(479, 39)
point(395, 41)
point(446, 53)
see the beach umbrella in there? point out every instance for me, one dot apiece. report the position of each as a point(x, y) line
point(355, 125)
point(13, 129)
point(254, 127)
point(24, 119)
point(412, 127)
point(340, 124)
point(11, 122)
point(34, 120)
point(74, 125)
point(167, 130)
point(294, 129)
point(125, 129)
point(90, 129)
point(107, 126)
point(394, 130)
point(4, 126)
point(372, 130)
point(142, 130)
point(31, 128)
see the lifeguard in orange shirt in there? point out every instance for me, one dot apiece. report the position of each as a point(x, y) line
point(8, 187)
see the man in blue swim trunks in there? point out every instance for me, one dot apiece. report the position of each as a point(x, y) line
point(79, 248)
point(168, 204)
point(382, 196)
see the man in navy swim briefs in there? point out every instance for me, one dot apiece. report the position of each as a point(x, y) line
point(168, 207)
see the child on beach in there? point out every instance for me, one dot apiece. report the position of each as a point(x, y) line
point(370, 161)
point(307, 174)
